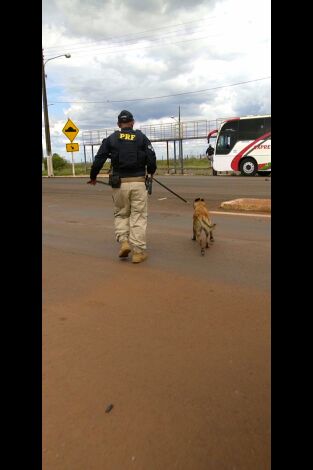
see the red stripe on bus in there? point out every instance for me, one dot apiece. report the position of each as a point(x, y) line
point(211, 133)
point(235, 161)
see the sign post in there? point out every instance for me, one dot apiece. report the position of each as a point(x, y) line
point(73, 147)
point(71, 130)
point(73, 166)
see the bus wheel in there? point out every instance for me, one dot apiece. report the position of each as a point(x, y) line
point(248, 167)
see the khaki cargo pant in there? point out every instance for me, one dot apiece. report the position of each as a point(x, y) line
point(131, 214)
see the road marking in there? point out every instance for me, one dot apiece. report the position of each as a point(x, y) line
point(240, 213)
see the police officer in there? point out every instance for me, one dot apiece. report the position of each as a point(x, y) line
point(132, 157)
point(210, 152)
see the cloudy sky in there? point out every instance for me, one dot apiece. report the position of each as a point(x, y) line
point(143, 49)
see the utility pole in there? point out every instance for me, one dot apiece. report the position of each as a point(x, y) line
point(180, 143)
point(175, 156)
point(167, 158)
point(85, 159)
point(45, 113)
point(46, 119)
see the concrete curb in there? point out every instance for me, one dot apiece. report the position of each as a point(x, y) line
point(107, 175)
point(245, 204)
point(76, 176)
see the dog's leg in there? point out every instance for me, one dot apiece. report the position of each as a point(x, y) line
point(211, 234)
point(200, 240)
point(206, 238)
point(194, 233)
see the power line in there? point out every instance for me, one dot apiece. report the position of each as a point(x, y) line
point(164, 96)
point(115, 45)
point(134, 40)
point(147, 47)
point(131, 34)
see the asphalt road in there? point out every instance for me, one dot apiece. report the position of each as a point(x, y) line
point(180, 344)
point(214, 189)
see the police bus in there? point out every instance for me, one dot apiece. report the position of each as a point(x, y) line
point(243, 144)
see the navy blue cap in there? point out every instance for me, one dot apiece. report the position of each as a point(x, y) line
point(125, 116)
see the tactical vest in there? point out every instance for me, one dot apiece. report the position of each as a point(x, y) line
point(127, 154)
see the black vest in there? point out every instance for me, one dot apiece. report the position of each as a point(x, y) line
point(127, 156)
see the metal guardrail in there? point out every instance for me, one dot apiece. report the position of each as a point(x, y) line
point(161, 132)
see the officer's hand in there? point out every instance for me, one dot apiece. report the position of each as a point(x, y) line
point(93, 182)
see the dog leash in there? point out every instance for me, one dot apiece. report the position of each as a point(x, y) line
point(177, 195)
point(161, 184)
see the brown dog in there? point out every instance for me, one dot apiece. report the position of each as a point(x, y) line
point(202, 222)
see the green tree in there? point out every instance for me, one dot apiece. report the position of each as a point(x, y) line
point(58, 162)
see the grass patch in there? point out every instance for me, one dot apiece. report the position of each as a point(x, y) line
point(194, 165)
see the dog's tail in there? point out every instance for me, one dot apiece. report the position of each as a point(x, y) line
point(205, 224)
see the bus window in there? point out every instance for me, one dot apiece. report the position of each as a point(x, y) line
point(267, 124)
point(223, 142)
point(250, 129)
point(230, 126)
point(227, 138)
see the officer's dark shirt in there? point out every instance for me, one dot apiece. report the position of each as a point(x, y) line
point(108, 147)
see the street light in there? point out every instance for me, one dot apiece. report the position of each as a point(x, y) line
point(62, 55)
point(45, 112)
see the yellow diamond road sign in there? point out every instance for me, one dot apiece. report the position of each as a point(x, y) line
point(70, 130)
point(74, 147)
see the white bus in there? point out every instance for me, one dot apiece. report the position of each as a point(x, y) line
point(243, 144)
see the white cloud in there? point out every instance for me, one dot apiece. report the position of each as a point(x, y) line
point(218, 43)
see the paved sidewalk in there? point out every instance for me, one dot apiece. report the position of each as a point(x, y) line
point(247, 204)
